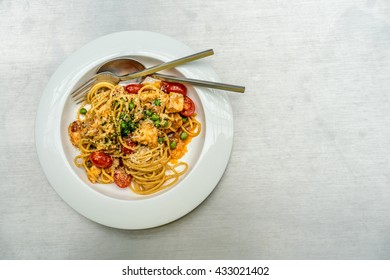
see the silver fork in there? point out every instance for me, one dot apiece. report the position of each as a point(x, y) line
point(79, 95)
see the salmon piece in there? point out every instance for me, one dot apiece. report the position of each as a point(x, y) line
point(175, 103)
point(147, 134)
point(74, 131)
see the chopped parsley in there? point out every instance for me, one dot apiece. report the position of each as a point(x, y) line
point(127, 127)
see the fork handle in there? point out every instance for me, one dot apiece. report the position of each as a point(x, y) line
point(168, 65)
point(200, 83)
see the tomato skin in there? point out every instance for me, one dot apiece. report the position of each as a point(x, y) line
point(189, 107)
point(133, 88)
point(130, 144)
point(174, 87)
point(101, 159)
point(122, 179)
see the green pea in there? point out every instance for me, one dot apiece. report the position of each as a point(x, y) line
point(83, 111)
point(157, 123)
point(131, 105)
point(157, 102)
point(130, 125)
point(161, 139)
point(173, 145)
point(183, 135)
point(154, 117)
point(165, 123)
point(148, 112)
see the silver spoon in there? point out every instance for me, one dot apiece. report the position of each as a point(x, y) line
point(125, 66)
point(129, 67)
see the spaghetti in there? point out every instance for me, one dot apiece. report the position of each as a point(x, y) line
point(135, 135)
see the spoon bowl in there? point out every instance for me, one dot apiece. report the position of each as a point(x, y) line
point(122, 67)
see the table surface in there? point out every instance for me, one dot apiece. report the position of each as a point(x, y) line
point(309, 174)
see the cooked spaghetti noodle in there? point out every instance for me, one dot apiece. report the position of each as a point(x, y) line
point(135, 135)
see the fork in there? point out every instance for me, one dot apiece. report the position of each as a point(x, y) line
point(79, 95)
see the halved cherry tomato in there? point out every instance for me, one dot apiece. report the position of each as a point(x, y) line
point(174, 87)
point(130, 144)
point(189, 107)
point(101, 159)
point(121, 178)
point(133, 88)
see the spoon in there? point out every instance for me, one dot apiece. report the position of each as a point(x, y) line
point(125, 66)
point(129, 66)
point(128, 69)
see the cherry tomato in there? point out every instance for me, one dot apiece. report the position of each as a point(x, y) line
point(189, 107)
point(174, 87)
point(133, 88)
point(121, 178)
point(101, 159)
point(130, 144)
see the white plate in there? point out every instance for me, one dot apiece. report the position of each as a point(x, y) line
point(208, 154)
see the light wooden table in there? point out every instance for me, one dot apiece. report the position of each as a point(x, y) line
point(309, 173)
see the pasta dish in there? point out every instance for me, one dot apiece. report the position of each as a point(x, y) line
point(135, 135)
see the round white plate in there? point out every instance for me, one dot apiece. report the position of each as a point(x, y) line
point(208, 154)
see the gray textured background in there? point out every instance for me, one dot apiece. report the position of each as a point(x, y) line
point(309, 173)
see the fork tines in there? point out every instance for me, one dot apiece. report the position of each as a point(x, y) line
point(79, 94)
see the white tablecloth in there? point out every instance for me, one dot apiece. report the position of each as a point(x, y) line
point(309, 173)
